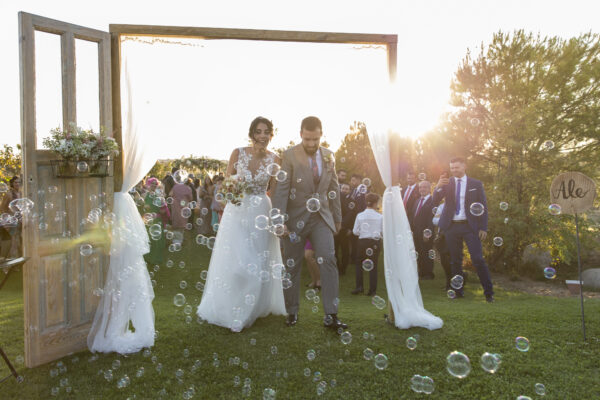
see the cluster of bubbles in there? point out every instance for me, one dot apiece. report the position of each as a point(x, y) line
point(422, 384)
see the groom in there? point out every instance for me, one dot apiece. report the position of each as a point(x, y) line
point(311, 197)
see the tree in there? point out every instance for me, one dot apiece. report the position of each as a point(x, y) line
point(10, 163)
point(526, 109)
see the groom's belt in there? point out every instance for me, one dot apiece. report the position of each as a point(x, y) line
point(460, 221)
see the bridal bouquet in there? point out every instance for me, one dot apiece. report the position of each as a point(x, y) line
point(233, 189)
point(76, 143)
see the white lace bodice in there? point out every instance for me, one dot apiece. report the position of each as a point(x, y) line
point(256, 176)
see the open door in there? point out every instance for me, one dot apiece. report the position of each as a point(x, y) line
point(59, 284)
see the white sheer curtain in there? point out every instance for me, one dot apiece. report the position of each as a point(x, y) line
point(128, 292)
point(401, 277)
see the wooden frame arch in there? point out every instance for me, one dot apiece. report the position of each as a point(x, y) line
point(119, 30)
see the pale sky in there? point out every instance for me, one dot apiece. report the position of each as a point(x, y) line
point(202, 99)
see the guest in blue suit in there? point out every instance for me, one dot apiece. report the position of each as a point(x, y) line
point(462, 221)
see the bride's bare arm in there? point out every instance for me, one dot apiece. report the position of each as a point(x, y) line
point(231, 170)
point(272, 181)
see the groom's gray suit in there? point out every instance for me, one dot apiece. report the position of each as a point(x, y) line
point(319, 227)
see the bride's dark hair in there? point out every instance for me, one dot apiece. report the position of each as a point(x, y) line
point(255, 123)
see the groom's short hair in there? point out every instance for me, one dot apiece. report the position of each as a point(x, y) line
point(311, 123)
point(458, 160)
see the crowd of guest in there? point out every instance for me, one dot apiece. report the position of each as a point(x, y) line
point(440, 217)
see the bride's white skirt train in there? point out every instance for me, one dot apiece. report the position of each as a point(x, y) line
point(244, 277)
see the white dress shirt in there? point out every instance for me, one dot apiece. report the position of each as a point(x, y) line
point(462, 215)
point(368, 225)
point(438, 214)
point(319, 161)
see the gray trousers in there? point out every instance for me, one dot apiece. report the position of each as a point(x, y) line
point(321, 239)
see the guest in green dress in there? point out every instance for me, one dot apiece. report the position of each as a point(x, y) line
point(156, 213)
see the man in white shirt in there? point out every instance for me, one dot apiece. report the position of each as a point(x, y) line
point(368, 226)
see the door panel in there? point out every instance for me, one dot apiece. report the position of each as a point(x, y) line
point(58, 280)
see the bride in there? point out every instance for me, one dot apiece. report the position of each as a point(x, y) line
point(244, 275)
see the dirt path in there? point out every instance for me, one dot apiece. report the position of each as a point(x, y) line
point(526, 285)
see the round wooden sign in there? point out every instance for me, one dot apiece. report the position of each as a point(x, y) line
point(573, 192)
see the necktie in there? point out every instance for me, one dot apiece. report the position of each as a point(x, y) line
point(419, 206)
point(408, 191)
point(457, 200)
point(315, 168)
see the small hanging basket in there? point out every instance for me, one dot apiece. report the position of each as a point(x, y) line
point(82, 168)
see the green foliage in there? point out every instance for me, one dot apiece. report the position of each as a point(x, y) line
point(526, 109)
point(356, 157)
point(10, 163)
point(199, 166)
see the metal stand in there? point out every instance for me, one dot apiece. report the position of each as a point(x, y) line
point(580, 277)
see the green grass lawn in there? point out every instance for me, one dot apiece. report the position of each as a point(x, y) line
point(558, 358)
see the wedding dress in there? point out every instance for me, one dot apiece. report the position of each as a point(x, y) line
point(244, 276)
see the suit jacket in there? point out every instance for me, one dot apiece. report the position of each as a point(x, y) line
point(348, 215)
point(423, 219)
point(295, 162)
point(359, 200)
point(414, 196)
point(473, 194)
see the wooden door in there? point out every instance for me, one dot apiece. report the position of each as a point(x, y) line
point(58, 280)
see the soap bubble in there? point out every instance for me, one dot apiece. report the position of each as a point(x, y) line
point(250, 299)
point(457, 282)
point(82, 166)
point(183, 284)
point(427, 233)
point(179, 300)
point(186, 212)
point(261, 222)
point(381, 361)
point(548, 145)
point(85, 250)
point(180, 176)
point(411, 343)
point(549, 273)
point(311, 355)
point(540, 389)
point(366, 182)
point(310, 294)
point(458, 364)
point(475, 121)
point(431, 254)
point(498, 241)
point(332, 195)
point(362, 188)
point(281, 176)
point(477, 209)
point(269, 394)
point(368, 354)
point(555, 209)
point(378, 302)
point(346, 337)
point(367, 265)
point(451, 294)
point(522, 343)
point(416, 383)
point(503, 205)
point(313, 205)
point(236, 325)
point(273, 169)
point(427, 385)
point(490, 362)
